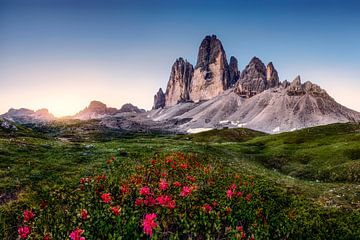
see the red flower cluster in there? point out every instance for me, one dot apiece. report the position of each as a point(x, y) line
point(106, 197)
point(84, 214)
point(207, 207)
point(28, 215)
point(116, 210)
point(144, 191)
point(186, 191)
point(177, 184)
point(24, 232)
point(163, 185)
point(166, 201)
point(149, 224)
point(76, 234)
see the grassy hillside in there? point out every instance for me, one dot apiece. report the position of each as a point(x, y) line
point(306, 181)
point(327, 153)
point(223, 135)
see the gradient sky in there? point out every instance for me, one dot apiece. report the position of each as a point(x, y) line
point(61, 54)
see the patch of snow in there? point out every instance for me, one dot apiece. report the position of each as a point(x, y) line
point(277, 129)
point(293, 129)
point(242, 124)
point(224, 121)
point(198, 130)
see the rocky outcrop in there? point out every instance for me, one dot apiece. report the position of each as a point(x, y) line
point(272, 76)
point(233, 71)
point(129, 108)
point(24, 115)
point(296, 88)
point(159, 99)
point(95, 110)
point(256, 78)
point(99, 110)
point(178, 87)
point(211, 75)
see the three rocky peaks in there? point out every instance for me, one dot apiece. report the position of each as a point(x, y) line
point(213, 75)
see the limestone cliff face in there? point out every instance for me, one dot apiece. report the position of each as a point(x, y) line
point(178, 87)
point(253, 79)
point(272, 76)
point(233, 71)
point(256, 78)
point(211, 75)
point(159, 99)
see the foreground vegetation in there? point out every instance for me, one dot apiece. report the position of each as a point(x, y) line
point(224, 184)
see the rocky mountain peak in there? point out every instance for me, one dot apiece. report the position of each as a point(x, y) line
point(209, 50)
point(159, 99)
point(211, 75)
point(272, 76)
point(128, 107)
point(96, 109)
point(178, 88)
point(233, 71)
point(252, 79)
point(97, 106)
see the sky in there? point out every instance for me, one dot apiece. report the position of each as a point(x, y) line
point(61, 54)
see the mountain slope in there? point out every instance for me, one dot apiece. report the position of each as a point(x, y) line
point(273, 110)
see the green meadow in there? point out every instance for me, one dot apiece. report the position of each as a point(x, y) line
point(307, 182)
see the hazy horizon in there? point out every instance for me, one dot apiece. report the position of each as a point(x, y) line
point(64, 54)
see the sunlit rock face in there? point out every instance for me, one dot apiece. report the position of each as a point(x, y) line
point(178, 87)
point(272, 76)
point(211, 75)
point(159, 99)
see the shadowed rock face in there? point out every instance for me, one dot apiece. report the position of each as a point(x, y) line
point(253, 79)
point(211, 75)
point(159, 99)
point(129, 108)
point(233, 71)
point(178, 87)
point(256, 78)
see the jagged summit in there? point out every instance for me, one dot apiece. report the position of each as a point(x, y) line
point(159, 99)
point(178, 87)
point(211, 74)
point(256, 78)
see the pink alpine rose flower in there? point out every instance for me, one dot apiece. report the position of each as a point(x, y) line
point(185, 191)
point(163, 185)
point(84, 214)
point(144, 191)
point(149, 223)
point(76, 234)
point(106, 197)
point(116, 210)
point(177, 184)
point(24, 232)
point(229, 193)
point(28, 215)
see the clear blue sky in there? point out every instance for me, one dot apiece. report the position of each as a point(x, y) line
point(61, 54)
